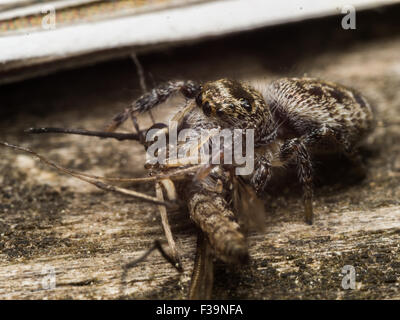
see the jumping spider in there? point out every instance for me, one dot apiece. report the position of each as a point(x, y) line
point(292, 118)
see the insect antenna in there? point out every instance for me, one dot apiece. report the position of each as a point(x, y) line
point(100, 134)
point(92, 180)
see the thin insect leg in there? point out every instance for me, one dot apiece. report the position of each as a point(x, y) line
point(142, 138)
point(207, 168)
point(167, 228)
point(98, 184)
point(140, 72)
point(201, 284)
point(156, 246)
point(142, 79)
point(169, 187)
point(296, 149)
point(180, 115)
point(175, 175)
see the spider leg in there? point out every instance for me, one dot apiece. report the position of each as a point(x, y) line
point(339, 139)
point(262, 174)
point(158, 95)
point(118, 120)
point(153, 98)
point(296, 149)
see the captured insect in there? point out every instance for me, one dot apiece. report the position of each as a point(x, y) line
point(291, 119)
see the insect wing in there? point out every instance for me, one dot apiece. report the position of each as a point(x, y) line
point(248, 207)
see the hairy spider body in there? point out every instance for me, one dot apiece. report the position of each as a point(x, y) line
point(310, 117)
point(308, 105)
point(292, 118)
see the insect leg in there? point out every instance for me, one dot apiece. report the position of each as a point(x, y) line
point(167, 229)
point(156, 246)
point(142, 79)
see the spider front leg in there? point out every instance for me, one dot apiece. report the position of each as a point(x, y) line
point(261, 175)
point(153, 98)
point(296, 149)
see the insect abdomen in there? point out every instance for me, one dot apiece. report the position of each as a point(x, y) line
point(211, 213)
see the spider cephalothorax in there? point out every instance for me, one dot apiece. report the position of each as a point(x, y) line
point(236, 105)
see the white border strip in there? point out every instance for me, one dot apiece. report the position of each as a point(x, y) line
point(184, 23)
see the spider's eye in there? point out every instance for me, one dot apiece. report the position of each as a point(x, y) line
point(246, 104)
point(206, 108)
point(198, 100)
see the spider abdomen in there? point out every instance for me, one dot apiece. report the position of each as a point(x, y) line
point(308, 104)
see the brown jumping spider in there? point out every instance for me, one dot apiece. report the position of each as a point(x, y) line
point(292, 119)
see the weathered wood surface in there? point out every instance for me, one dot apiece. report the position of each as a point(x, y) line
point(48, 220)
